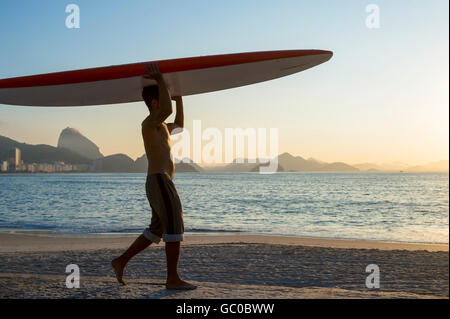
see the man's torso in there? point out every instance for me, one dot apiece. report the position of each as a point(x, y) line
point(157, 148)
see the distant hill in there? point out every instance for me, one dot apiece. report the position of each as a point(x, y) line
point(385, 167)
point(73, 140)
point(121, 163)
point(337, 167)
point(237, 167)
point(188, 165)
point(257, 167)
point(316, 160)
point(299, 164)
point(186, 168)
point(243, 167)
point(368, 167)
point(289, 163)
point(117, 163)
point(142, 165)
point(441, 166)
point(40, 153)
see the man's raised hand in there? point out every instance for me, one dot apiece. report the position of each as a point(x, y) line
point(153, 72)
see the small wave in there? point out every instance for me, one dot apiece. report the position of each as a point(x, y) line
point(125, 230)
point(206, 230)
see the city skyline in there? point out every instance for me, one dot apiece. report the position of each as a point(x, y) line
point(382, 98)
point(15, 163)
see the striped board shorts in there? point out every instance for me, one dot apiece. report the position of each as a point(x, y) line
point(167, 212)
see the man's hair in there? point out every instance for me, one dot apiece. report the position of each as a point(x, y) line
point(149, 93)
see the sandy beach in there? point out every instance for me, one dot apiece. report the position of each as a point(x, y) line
point(224, 266)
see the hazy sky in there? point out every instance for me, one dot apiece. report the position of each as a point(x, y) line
point(382, 98)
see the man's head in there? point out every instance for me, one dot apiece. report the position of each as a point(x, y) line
point(150, 94)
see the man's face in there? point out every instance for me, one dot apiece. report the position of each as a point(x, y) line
point(154, 105)
point(151, 103)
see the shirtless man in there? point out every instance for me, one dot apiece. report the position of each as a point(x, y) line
point(167, 213)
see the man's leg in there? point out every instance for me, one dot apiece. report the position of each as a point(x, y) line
point(120, 262)
point(174, 281)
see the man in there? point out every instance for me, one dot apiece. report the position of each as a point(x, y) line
point(167, 213)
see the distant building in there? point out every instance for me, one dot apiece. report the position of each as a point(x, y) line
point(32, 168)
point(14, 160)
point(4, 166)
point(81, 167)
point(14, 156)
point(62, 167)
point(47, 168)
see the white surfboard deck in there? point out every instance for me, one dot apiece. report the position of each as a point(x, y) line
point(186, 76)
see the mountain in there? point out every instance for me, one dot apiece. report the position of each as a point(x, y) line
point(117, 163)
point(368, 167)
point(244, 167)
point(337, 167)
point(384, 167)
point(73, 140)
point(186, 168)
point(257, 170)
point(288, 163)
point(441, 166)
point(40, 153)
point(141, 164)
point(238, 167)
point(187, 165)
point(299, 164)
point(316, 160)
point(121, 163)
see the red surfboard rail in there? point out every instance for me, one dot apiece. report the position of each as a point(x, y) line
point(138, 69)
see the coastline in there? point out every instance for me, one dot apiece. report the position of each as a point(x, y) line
point(210, 171)
point(31, 242)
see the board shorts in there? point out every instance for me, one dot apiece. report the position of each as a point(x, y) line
point(167, 212)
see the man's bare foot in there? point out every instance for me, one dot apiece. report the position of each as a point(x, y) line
point(118, 269)
point(180, 285)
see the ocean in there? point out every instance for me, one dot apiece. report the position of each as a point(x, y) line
point(404, 207)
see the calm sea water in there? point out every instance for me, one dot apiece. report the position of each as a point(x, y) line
point(410, 207)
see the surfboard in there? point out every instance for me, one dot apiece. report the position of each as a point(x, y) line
point(184, 76)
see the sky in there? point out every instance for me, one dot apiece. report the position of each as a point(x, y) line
point(382, 98)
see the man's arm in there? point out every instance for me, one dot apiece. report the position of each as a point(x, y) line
point(177, 126)
point(165, 105)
